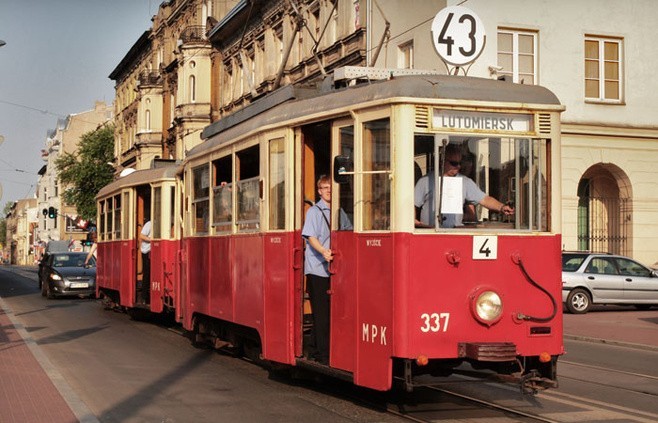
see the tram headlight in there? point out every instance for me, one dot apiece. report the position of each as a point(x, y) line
point(487, 307)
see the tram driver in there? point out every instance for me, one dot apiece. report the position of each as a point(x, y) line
point(471, 194)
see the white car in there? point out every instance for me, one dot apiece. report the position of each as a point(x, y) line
point(600, 278)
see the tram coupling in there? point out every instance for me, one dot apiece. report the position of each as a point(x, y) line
point(530, 383)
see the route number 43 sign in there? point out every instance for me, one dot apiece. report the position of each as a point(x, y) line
point(458, 35)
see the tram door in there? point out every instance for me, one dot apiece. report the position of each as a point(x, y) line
point(143, 214)
point(316, 152)
point(343, 244)
point(321, 142)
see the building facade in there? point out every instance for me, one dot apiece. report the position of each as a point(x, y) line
point(21, 232)
point(600, 72)
point(162, 96)
point(64, 139)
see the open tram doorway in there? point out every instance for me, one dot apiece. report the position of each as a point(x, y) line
point(605, 210)
point(316, 161)
point(143, 215)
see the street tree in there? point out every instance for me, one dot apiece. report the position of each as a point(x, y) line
point(87, 170)
point(3, 223)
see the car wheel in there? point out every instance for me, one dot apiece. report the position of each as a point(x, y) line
point(49, 293)
point(643, 306)
point(578, 301)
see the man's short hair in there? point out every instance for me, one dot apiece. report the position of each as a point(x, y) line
point(324, 179)
point(452, 149)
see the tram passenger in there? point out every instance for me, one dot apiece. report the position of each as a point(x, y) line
point(317, 255)
point(94, 246)
point(424, 200)
point(145, 248)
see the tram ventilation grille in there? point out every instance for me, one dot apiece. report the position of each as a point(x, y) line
point(422, 117)
point(544, 122)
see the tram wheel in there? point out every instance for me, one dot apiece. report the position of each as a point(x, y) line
point(578, 301)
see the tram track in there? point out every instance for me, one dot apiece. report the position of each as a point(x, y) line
point(607, 383)
point(507, 411)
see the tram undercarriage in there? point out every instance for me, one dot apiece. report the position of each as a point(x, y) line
point(529, 373)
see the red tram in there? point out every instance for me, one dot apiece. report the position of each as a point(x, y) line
point(406, 299)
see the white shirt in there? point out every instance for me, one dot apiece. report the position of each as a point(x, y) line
point(145, 247)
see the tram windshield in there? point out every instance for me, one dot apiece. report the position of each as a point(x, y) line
point(514, 171)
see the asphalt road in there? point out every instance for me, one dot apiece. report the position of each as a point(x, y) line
point(130, 371)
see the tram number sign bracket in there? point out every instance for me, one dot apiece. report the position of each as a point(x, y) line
point(458, 35)
point(485, 247)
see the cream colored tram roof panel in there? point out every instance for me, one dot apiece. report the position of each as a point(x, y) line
point(139, 177)
point(292, 102)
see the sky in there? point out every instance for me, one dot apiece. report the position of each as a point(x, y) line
point(56, 62)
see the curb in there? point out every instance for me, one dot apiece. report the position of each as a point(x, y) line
point(612, 342)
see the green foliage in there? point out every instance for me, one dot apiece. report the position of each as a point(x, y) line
point(3, 232)
point(3, 223)
point(85, 172)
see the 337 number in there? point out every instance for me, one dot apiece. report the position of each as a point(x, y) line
point(434, 322)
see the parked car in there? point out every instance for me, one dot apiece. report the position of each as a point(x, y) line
point(600, 278)
point(65, 273)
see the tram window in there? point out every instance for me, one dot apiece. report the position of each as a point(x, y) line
point(277, 184)
point(125, 218)
point(223, 194)
point(376, 169)
point(156, 216)
point(248, 189)
point(117, 217)
point(346, 190)
point(511, 170)
point(200, 199)
point(101, 228)
point(110, 213)
point(172, 212)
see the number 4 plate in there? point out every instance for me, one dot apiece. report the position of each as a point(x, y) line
point(485, 247)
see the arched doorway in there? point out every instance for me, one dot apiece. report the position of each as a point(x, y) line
point(605, 210)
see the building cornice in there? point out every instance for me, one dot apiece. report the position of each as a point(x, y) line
point(609, 131)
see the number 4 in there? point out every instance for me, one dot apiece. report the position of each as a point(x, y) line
point(485, 247)
point(448, 41)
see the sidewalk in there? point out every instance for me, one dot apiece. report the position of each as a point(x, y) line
point(615, 325)
point(31, 389)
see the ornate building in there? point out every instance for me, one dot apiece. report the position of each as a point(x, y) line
point(162, 96)
point(262, 45)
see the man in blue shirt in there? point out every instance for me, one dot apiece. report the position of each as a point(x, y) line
point(317, 255)
point(424, 198)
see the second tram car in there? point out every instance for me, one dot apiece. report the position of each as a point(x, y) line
point(407, 298)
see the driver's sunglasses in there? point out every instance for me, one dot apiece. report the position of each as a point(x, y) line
point(454, 163)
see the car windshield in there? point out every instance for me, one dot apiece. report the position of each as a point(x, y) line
point(71, 260)
point(571, 262)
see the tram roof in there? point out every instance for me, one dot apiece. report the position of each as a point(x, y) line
point(292, 102)
point(139, 177)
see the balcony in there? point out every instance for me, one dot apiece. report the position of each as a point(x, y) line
point(194, 34)
point(150, 78)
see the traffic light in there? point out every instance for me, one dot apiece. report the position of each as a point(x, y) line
point(45, 212)
point(52, 212)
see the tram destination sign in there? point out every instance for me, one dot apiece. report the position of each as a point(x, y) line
point(482, 121)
